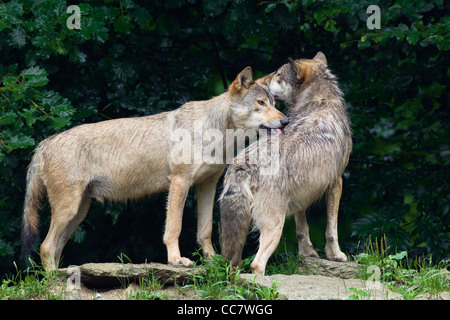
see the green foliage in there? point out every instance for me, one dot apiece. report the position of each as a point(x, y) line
point(138, 57)
point(32, 283)
point(148, 289)
point(411, 278)
point(215, 281)
point(24, 104)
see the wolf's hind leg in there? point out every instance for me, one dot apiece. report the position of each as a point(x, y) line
point(270, 228)
point(205, 203)
point(68, 210)
point(305, 247)
point(333, 197)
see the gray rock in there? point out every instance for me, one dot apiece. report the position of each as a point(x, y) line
point(327, 268)
point(107, 274)
point(318, 287)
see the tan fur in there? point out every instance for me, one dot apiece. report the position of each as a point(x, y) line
point(131, 158)
point(314, 152)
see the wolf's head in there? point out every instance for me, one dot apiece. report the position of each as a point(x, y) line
point(253, 106)
point(293, 75)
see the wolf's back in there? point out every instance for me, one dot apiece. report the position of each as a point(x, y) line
point(235, 212)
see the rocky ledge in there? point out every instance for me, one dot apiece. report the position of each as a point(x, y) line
point(109, 274)
point(318, 279)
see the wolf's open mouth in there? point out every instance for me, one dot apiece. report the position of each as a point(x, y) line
point(274, 131)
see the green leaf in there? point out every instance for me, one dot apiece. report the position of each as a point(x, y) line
point(61, 110)
point(58, 105)
point(141, 16)
point(434, 89)
point(93, 29)
point(292, 6)
point(29, 115)
point(320, 15)
point(270, 7)
point(413, 37)
point(79, 235)
point(123, 24)
point(123, 71)
point(400, 31)
point(9, 81)
point(59, 122)
point(8, 118)
point(19, 141)
point(363, 43)
point(10, 13)
point(17, 37)
point(35, 76)
point(398, 256)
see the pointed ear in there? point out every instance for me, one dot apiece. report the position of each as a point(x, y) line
point(245, 78)
point(321, 58)
point(296, 68)
point(242, 83)
point(300, 69)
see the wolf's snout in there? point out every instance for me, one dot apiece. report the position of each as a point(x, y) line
point(284, 122)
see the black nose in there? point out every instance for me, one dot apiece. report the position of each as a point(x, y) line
point(284, 122)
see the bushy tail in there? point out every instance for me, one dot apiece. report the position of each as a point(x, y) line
point(30, 218)
point(235, 213)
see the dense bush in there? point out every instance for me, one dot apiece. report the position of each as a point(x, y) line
point(133, 58)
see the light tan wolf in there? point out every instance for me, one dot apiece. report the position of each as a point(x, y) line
point(131, 158)
point(313, 153)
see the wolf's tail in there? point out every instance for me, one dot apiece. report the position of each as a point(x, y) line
point(30, 219)
point(235, 213)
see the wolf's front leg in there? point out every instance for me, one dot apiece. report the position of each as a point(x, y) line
point(179, 187)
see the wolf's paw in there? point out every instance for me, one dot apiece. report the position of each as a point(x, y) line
point(181, 262)
point(338, 257)
point(308, 251)
point(258, 268)
point(312, 255)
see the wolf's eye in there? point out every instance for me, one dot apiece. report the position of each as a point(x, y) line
point(261, 102)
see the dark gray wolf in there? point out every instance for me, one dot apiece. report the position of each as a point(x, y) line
point(313, 153)
point(130, 158)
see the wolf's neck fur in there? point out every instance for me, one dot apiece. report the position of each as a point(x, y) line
point(214, 113)
point(223, 111)
point(321, 89)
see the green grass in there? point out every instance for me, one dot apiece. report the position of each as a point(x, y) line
point(148, 289)
point(34, 283)
point(410, 278)
point(214, 281)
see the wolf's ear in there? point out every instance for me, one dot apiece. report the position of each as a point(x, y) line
point(245, 78)
point(294, 66)
point(301, 70)
point(242, 83)
point(321, 57)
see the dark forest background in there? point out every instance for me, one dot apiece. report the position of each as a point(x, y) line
point(136, 57)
